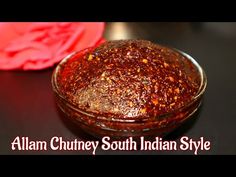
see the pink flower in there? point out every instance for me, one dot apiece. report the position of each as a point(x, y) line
point(39, 45)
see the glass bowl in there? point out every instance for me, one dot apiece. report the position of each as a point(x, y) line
point(100, 126)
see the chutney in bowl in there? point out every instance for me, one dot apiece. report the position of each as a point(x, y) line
point(126, 88)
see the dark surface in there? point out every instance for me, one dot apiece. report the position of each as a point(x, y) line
point(27, 107)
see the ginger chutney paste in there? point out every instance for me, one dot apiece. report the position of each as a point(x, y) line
point(129, 88)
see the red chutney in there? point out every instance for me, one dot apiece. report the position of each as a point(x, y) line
point(133, 80)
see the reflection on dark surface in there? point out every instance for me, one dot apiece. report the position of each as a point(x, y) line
point(222, 29)
point(165, 31)
point(148, 31)
point(73, 127)
point(119, 30)
point(180, 131)
point(24, 92)
point(185, 127)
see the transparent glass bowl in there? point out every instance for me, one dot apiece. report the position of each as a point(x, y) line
point(100, 126)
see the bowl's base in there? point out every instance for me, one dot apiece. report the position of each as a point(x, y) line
point(122, 130)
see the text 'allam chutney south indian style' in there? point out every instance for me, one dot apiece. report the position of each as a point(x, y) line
point(129, 88)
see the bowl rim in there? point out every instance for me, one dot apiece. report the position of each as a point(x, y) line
point(75, 107)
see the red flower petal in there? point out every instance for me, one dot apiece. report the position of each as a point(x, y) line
point(40, 26)
point(32, 46)
point(72, 40)
point(20, 27)
point(7, 33)
point(100, 42)
point(93, 33)
point(25, 43)
point(30, 65)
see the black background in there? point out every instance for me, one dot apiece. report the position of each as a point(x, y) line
point(27, 107)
